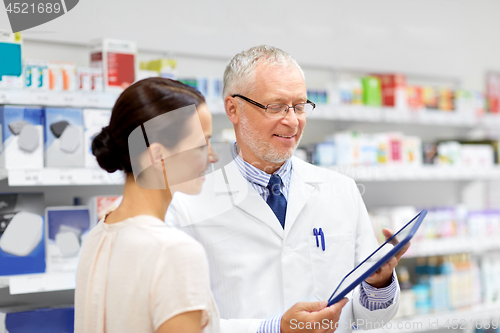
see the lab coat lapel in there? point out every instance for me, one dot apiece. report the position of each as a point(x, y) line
point(246, 198)
point(301, 188)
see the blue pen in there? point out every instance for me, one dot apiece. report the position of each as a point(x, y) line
point(323, 245)
point(315, 232)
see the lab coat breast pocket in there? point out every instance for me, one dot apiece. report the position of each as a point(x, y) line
point(331, 265)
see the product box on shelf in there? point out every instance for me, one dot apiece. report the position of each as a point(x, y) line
point(372, 93)
point(63, 130)
point(446, 99)
point(414, 98)
point(62, 76)
point(117, 59)
point(325, 154)
point(165, 67)
point(477, 155)
point(412, 151)
point(67, 228)
point(21, 131)
point(493, 91)
point(22, 249)
point(11, 65)
point(430, 98)
point(36, 74)
point(393, 88)
point(347, 148)
point(83, 79)
point(94, 120)
point(45, 320)
point(96, 80)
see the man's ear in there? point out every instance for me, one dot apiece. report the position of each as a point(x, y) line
point(232, 109)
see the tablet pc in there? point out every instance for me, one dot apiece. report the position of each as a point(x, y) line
point(379, 257)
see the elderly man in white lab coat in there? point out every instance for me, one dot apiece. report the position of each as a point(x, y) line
point(281, 233)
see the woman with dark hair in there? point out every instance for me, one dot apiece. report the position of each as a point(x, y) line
point(135, 274)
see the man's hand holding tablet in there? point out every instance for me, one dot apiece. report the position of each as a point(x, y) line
point(383, 276)
point(377, 268)
point(312, 317)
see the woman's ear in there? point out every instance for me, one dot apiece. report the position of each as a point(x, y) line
point(156, 152)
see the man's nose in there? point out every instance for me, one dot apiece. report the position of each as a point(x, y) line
point(291, 118)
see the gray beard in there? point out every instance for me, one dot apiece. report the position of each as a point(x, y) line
point(260, 147)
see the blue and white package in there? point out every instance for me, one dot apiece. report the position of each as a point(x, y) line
point(11, 60)
point(22, 137)
point(64, 145)
point(22, 246)
point(94, 120)
point(47, 320)
point(66, 230)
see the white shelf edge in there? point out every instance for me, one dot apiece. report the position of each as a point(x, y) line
point(62, 176)
point(36, 283)
point(431, 322)
point(417, 173)
point(81, 99)
point(452, 245)
point(78, 99)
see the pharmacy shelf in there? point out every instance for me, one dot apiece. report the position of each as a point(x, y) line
point(61, 177)
point(35, 283)
point(417, 173)
point(82, 176)
point(477, 316)
point(325, 112)
point(58, 98)
point(444, 246)
point(362, 113)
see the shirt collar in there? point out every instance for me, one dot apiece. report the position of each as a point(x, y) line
point(259, 177)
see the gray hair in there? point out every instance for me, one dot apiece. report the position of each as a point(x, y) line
point(240, 71)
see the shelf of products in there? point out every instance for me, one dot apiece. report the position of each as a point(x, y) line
point(396, 173)
point(480, 317)
point(357, 113)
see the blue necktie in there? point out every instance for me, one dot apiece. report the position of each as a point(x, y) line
point(276, 199)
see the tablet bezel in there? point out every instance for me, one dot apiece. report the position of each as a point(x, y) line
point(420, 216)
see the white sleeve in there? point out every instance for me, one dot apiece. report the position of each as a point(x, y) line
point(180, 282)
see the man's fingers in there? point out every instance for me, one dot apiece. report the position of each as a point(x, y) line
point(403, 251)
point(387, 233)
point(312, 306)
point(331, 312)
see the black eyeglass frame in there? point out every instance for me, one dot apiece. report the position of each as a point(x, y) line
point(262, 106)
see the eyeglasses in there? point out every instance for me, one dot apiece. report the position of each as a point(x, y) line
point(278, 110)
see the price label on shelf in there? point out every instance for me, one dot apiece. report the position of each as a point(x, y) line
point(40, 98)
point(33, 283)
point(68, 176)
point(68, 99)
point(25, 177)
point(4, 97)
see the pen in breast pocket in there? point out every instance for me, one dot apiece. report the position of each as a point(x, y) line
point(315, 233)
point(323, 243)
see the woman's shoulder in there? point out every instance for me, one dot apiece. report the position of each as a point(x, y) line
point(155, 231)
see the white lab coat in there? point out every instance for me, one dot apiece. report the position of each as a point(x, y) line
point(258, 270)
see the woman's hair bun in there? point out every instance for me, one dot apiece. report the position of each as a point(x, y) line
point(106, 151)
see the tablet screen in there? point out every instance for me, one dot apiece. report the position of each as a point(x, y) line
point(375, 257)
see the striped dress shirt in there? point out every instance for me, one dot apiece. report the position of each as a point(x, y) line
point(370, 297)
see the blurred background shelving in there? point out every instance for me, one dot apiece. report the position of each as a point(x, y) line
point(431, 47)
